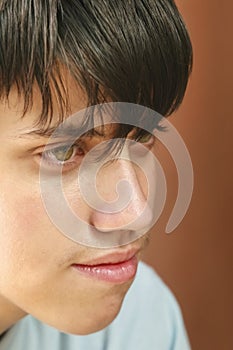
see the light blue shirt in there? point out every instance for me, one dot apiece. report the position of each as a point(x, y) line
point(150, 319)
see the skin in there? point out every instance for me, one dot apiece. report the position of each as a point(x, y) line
point(36, 276)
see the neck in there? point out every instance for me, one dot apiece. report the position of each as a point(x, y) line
point(9, 315)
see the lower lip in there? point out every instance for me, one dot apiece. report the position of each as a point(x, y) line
point(115, 273)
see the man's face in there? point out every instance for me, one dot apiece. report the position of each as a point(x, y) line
point(39, 273)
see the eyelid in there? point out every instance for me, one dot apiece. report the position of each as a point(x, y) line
point(64, 143)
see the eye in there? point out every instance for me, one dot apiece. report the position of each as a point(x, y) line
point(64, 155)
point(146, 138)
point(143, 137)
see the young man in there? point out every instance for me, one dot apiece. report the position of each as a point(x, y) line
point(57, 58)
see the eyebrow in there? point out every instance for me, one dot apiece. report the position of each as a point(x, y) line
point(61, 131)
point(56, 131)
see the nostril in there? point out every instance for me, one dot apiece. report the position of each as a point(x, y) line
point(134, 217)
point(112, 237)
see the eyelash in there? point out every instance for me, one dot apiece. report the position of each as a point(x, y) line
point(48, 161)
point(74, 163)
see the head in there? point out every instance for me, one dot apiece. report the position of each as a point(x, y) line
point(57, 58)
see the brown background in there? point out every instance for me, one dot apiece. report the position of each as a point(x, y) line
point(196, 259)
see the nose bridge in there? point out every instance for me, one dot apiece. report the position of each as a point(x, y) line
point(119, 177)
point(118, 183)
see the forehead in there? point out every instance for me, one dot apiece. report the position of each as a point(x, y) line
point(12, 121)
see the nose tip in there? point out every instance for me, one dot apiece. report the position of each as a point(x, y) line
point(133, 218)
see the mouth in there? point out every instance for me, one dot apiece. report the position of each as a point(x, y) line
point(117, 267)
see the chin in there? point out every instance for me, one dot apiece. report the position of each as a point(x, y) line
point(90, 314)
point(90, 326)
point(93, 321)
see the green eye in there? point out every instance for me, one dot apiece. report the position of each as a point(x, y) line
point(63, 153)
point(145, 138)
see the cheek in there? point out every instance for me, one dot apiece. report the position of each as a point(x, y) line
point(25, 213)
point(16, 218)
point(29, 239)
point(23, 232)
point(31, 248)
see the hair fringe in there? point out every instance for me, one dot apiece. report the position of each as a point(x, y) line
point(128, 51)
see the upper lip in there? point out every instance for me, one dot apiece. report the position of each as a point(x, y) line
point(112, 258)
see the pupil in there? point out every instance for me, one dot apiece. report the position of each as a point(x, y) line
point(63, 154)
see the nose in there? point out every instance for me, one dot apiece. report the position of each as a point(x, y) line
point(122, 188)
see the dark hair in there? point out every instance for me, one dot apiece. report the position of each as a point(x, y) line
point(135, 51)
